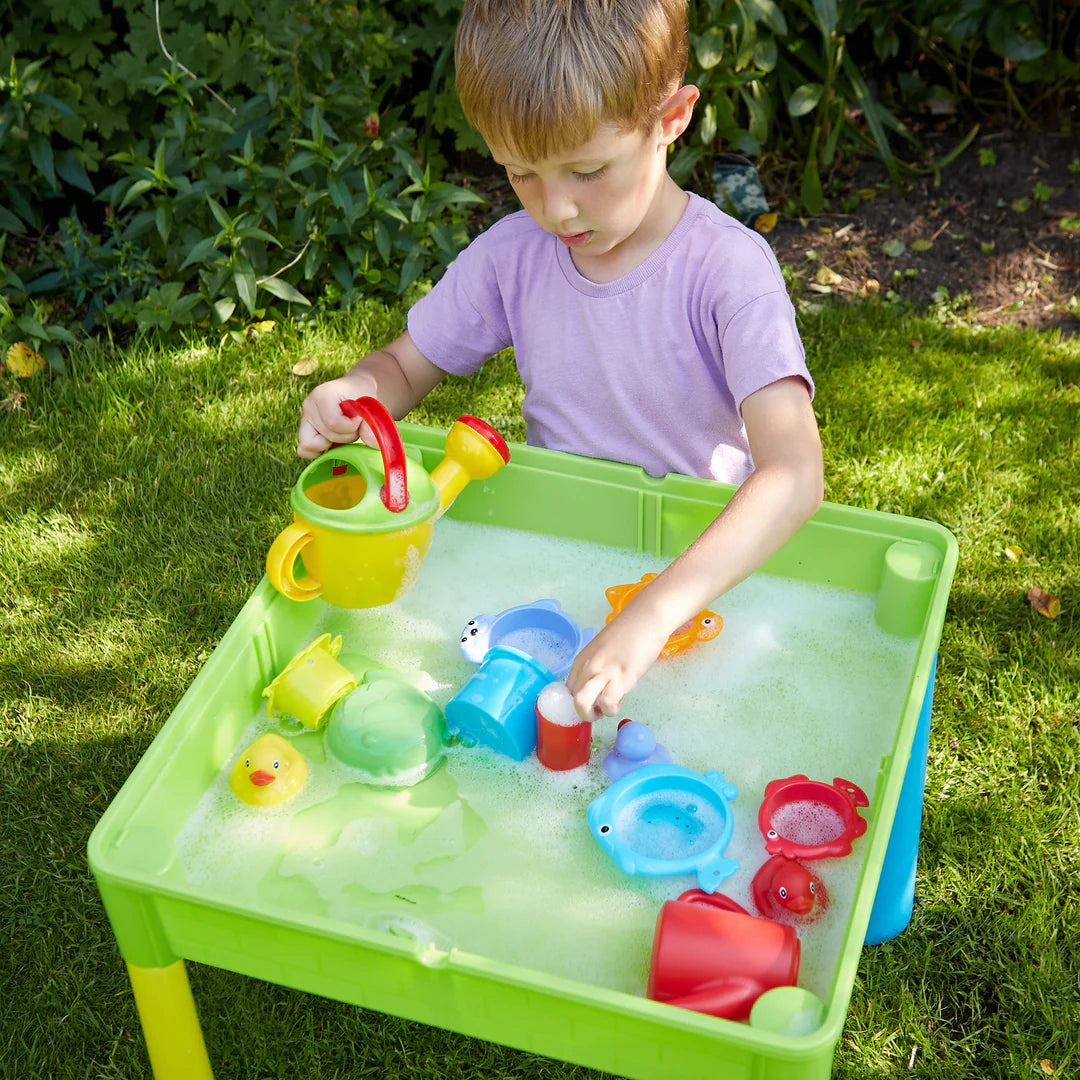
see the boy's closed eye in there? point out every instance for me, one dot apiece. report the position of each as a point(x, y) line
point(521, 178)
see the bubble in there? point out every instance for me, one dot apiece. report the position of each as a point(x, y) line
point(556, 705)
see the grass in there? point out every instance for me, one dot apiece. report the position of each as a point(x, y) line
point(137, 501)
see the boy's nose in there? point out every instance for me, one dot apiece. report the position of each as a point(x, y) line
point(558, 206)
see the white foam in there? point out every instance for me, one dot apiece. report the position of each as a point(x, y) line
point(495, 857)
point(556, 705)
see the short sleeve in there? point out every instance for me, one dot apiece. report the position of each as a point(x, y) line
point(462, 321)
point(761, 344)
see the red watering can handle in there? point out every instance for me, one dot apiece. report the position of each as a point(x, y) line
point(395, 492)
point(716, 900)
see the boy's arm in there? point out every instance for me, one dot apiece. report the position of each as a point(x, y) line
point(781, 493)
point(398, 374)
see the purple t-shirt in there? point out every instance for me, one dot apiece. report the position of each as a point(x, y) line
point(650, 369)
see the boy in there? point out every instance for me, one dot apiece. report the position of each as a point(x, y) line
point(648, 326)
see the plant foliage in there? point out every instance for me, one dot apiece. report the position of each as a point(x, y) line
point(175, 162)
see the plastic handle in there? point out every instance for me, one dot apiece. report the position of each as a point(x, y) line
point(395, 492)
point(716, 900)
point(280, 560)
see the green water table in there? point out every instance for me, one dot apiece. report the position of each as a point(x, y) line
point(160, 919)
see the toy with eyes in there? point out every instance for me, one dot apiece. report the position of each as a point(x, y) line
point(541, 630)
point(788, 891)
point(809, 819)
point(269, 772)
point(704, 626)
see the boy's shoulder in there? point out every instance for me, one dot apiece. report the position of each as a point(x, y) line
point(720, 225)
point(718, 239)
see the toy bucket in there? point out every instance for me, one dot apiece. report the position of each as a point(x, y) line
point(363, 518)
point(497, 706)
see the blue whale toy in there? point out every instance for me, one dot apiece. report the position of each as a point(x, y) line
point(666, 820)
point(541, 629)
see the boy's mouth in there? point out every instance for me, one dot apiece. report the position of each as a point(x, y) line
point(575, 239)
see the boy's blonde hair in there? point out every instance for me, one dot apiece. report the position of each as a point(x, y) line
point(539, 76)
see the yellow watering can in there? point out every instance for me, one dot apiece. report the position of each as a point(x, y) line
point(363, 518)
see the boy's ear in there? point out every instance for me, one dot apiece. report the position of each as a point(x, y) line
point(676, 112)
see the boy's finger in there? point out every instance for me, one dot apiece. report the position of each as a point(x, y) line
point(586, 699)
point(310, 442)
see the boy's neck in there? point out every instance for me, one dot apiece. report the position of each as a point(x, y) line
point(665, 212)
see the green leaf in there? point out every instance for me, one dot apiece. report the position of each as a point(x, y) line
point(382, 240)
point(159, 161)
point(71, 169)
point(812, 196)
point(894, 248)
point(709, 47)
point(41, 155)
point(244, 278)
point(302, 161)
point(163, 221)
point(29, 325)
point(220, 213)
point(135, 191)
point(768, 12)
point(804, 99)
point(55, 358)
point(224, 308)
point(284, 291)
point(410, 271)
point(199, 253)
point(825, 10)
point(55, 103)
point(9, 222)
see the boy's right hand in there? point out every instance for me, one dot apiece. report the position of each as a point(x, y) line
point(322, 423)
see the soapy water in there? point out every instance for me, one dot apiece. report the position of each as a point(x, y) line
point(807, 822)
point(668, 824)
point(551, 650)
point(495, 857)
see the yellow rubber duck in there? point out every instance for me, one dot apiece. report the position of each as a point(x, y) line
point(269, 772)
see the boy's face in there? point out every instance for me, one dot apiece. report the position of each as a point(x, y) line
point(598, 197)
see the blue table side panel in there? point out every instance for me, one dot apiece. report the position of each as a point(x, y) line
point(895, 896)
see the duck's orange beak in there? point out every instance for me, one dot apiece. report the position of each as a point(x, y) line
point(260, 777)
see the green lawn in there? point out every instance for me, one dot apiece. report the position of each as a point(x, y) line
point(137, 501)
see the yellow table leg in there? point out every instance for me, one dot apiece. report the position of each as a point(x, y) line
point(170, 1024)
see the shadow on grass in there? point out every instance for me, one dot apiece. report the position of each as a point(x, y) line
point(138, 509)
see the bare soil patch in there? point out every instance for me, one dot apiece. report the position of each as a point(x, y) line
point(998, 225)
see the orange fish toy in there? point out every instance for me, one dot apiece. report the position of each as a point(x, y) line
point(704, 626)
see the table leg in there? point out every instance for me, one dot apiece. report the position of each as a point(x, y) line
point(170, 1024)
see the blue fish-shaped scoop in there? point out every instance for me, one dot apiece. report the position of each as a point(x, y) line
point(667, 820)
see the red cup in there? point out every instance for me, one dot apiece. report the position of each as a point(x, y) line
point(562, 746)
point(719, 961)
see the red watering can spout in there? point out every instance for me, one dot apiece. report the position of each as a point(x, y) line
point(395, 492)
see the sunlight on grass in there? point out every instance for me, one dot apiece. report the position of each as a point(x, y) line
point(138, 499)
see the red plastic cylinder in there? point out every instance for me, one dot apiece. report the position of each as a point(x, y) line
point(562, 746)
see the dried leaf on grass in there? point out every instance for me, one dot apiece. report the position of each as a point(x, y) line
point(23, 361)
point(1044, 603)
point(1047, 1066)
point(825, 276)
point(308, 366)
point(1014, 552)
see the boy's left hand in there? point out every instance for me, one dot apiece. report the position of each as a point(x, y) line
point(612, 663)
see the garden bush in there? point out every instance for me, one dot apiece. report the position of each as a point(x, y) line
point(183, 162)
